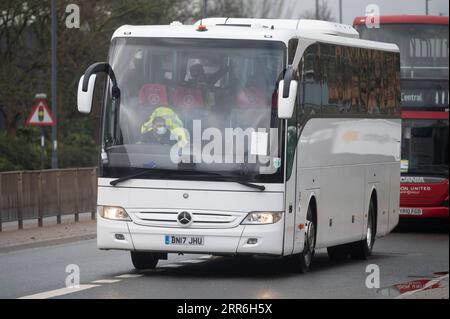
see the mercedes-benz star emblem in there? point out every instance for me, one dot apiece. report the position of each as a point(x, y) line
point(184, 218)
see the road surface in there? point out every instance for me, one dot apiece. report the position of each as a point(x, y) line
point(409, 261)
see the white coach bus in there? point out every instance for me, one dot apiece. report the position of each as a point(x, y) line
point(247, 136)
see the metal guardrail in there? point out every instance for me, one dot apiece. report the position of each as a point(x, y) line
point(32, 195)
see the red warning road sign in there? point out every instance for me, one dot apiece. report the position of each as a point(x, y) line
point(40, 116)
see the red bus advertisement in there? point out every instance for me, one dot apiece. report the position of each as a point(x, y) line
point(423, 43)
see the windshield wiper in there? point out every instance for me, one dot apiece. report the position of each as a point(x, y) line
point(128, 177)
point(192, 174)
point(251, 185)
point(148, 172)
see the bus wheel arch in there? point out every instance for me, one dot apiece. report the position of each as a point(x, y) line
point(302, 262)
point(312, 206)
point(374, 202)
point(362, 250)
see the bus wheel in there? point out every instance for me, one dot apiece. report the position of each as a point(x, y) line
point(363, 249)
point(144, 260)
point(303, 260)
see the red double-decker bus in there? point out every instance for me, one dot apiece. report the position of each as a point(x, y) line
point(423, 43)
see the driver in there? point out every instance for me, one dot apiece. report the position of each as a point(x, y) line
point(159, 133)
point(162, 124)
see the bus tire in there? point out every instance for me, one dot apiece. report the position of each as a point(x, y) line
point(303, 261)
point(362, 250)
point(144, 260)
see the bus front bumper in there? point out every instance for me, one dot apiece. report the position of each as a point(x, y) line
point(243, 239)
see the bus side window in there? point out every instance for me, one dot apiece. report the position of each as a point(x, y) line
point(310, 82)
point(355, 75)
point(331, 80)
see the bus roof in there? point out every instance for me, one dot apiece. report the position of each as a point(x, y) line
point(281, 30)
point(406, 19)
point(191, 31)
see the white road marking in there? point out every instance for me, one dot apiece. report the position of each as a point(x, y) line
point(127, 276)
point(192, 261)
point(171, 266)
point(58, 292)
point(106, 281)
point(206, 257)
point(97, 283)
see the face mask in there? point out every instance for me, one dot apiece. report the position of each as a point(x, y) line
point(161, 130)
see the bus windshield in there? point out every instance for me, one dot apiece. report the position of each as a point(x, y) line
point(424, 48)
point(207, 105)
point(425, 147)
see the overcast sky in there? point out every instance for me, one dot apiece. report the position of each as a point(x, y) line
point(353, 8)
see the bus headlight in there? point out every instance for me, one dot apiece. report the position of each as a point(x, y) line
point(113, 213)
point(262, 218)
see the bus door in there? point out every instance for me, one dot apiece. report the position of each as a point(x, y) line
point(291, 196)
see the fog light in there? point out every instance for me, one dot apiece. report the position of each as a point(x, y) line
point(120, 237)
point(252, 241)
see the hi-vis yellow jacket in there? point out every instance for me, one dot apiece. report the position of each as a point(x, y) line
point(173, 122)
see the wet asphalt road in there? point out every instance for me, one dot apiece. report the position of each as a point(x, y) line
point(413, 253)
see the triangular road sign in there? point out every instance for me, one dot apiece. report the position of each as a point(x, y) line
point(40, 116)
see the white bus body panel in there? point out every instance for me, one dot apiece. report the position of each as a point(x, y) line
point(341, 162)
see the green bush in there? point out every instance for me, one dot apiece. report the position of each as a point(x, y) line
point(20, 153)
point(77, 156)
point(76, 149)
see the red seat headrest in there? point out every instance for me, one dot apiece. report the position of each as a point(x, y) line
point(154, 95)
point(251, 98)
point(188, 97)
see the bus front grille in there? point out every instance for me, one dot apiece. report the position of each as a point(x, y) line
point(200, 219)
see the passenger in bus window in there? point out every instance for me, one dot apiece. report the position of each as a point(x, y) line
point(205, 83)
point(199, 75)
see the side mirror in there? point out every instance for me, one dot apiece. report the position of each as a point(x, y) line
point(85, 97)
point(87, 85)
point(286, 99)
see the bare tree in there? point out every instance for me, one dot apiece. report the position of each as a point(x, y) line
point(226, 8)
point(24, 55)
point(25, 46)
point(323, 14)
point(271, 9)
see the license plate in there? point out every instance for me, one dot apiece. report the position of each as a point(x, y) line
point(184, 240)
point(411, 211)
